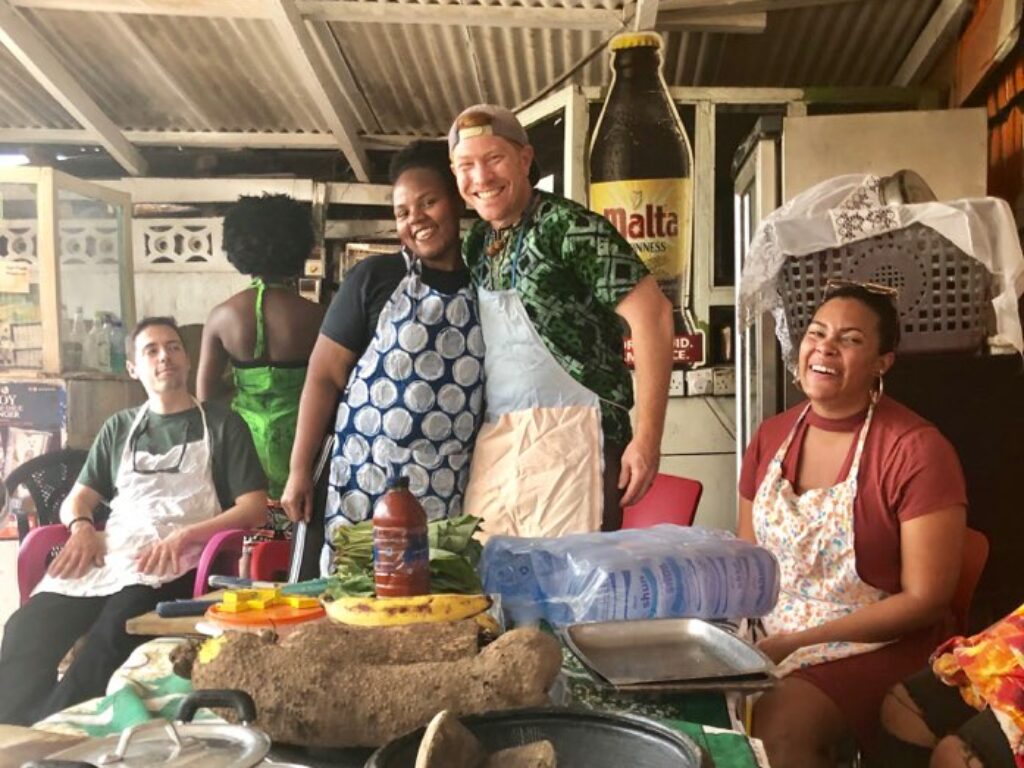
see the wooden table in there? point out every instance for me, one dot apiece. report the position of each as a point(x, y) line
point(152, 624)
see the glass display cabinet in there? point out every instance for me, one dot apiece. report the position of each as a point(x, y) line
point(65, 274)
point(66, 302)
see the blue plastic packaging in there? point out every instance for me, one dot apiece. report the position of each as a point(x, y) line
point(667, 571)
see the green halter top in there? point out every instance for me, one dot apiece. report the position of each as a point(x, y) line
point(267, 398)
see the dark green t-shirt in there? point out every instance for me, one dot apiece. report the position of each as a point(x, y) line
point(572, 271)
point(236, 467)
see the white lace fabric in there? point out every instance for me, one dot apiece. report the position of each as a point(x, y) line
point(849, 208)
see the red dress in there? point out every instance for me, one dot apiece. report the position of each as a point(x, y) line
point(907, 470)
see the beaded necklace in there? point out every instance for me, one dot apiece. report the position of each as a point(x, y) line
point(496, 244)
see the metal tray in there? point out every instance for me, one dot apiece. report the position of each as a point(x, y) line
point(659, 651)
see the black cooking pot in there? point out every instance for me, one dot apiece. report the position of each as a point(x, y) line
point(582, 739)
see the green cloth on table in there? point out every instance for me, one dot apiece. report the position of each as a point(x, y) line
point(144, 688)
point(701, 716)
point(727, 748)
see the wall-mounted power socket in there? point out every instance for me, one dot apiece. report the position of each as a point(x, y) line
point(677, 384)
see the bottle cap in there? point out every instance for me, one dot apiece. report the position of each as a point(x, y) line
point(635, 40)
point(400, 481)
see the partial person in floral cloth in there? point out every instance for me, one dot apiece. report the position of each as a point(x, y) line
point(964, 710)
point(863, 503)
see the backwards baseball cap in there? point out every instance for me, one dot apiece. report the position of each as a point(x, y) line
point(486, 120)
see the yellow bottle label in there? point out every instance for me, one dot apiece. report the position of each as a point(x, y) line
point(655, 216)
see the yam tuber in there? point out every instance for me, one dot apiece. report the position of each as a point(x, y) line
point(328, 695)
point(536, 754)
point(447, 743)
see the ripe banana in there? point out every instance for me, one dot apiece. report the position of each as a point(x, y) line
point(395, 611)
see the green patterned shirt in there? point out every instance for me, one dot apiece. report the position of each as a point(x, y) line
point(573, 270)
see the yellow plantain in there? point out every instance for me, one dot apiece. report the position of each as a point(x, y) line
point(395, 611)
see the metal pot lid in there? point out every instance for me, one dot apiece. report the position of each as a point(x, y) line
point(162, 744)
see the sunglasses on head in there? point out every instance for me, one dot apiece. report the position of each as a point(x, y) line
point(836, 283)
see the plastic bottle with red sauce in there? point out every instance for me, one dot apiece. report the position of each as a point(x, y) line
point(401, 554)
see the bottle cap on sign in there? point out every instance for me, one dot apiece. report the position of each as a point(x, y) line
point(635, 40)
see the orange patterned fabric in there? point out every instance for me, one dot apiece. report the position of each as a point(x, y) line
point(989, 670)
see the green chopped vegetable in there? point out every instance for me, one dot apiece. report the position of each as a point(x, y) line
point(454, 554)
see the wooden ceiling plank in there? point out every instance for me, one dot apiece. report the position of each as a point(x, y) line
point(205, 139)
point(299, 47)
point(646, 15)
point(736, 24)
point(938, 33)
point(218, 9)
point(346, 81)
point(726, 7)
point(32, 51)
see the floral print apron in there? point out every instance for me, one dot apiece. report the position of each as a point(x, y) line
point(812, 535)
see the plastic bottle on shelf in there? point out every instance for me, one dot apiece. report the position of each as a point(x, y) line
point(89, 361)
point(401, 553)
point(101, 331)
point(118, 353)
point(661, 572)
point(74, 339)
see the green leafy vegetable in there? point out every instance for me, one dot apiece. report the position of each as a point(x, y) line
point(454, 554)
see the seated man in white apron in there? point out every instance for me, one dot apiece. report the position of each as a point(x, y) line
point(174, 473)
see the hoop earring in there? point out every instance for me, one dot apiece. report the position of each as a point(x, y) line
point(876, 394)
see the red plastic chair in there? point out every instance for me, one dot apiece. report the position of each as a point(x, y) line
point(220, 556)
point(670, 499)
point(974, 558)
point(270, 560)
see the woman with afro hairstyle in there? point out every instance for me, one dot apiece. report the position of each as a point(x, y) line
point(266, 331)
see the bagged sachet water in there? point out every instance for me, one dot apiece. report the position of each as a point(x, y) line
point(666, 571)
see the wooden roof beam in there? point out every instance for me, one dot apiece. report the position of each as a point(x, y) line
point(937, 34)
point(299, 46)
point(726, 7)
point(32, 51)
point(206, 139)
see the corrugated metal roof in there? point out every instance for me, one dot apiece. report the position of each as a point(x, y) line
point(181, 73)
point(851, 44)
point(190, 73)
point(23, 103)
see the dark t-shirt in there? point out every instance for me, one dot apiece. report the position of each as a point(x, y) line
point(908, 469)
point(351, 320)
point(236, 467)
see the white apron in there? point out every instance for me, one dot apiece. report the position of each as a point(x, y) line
point(812, 535)
point(148, 506)
point(537, 463)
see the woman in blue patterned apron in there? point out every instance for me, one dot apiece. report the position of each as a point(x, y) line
point(401, 344)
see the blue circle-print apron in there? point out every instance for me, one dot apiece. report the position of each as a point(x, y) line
point(412, 406)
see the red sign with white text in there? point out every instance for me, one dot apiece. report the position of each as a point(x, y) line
point(687, 350)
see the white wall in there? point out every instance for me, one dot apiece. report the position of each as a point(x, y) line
point(699, 442)
point(949, 148)
point(187, 296)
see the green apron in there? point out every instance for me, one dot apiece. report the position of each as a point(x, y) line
point(267, 398)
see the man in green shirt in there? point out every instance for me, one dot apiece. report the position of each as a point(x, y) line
point(557, 453)
point(173, 474)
